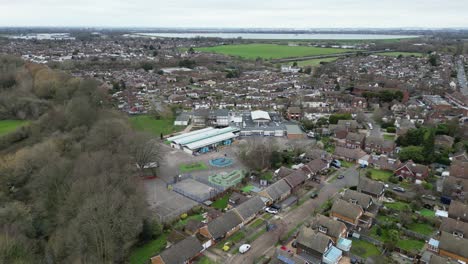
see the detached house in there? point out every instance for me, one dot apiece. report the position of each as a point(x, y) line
point(346, 212)
point(413, 171)
point(278, 191)
point(332, 228)
point(249, 209)
point(314, 168)
point(221, 227)
point(355, 140)
point(317, 247)
point(348, 154)
point(373, 188)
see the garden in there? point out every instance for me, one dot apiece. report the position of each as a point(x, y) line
point(364, 249)
point(195, 166)
point(379, 175)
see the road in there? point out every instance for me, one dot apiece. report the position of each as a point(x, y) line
point(462, 78)
point(265, 243)
point(376, 131)
point(326, 56)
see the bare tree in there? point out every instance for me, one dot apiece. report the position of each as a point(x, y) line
point(146, 152)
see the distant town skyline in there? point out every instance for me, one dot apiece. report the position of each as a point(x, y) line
point(236, 14)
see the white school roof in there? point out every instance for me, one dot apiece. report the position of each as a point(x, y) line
point(190, 133)
point(211, 140)
point(204, 135)
point(258, 114)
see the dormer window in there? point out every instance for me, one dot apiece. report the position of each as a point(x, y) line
point(353, 201)
point(323, 229)
point(458, 234)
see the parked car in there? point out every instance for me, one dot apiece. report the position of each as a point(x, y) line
point(244, 248)
point(271, 210)
point(399, 189)
point(341, 176)
point(275, 206)
point(336, 164)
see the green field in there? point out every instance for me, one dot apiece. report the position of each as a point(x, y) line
point(270, 51)
point(7, 126)
point(149, 124)
point(364, 249)
point(142, 254)
point(421, 228)
point(192, 167)
point(402, 53)
point(314, 62)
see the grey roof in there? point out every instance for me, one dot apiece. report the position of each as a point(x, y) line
point(316, 165)
point(454, 244)
point(296, 178)
point(440, 260)
point(313, 239)
point(250, 207)
point(348, 123)
point(346, 209)
point(183, 117)
point(182, 251)
point(450, 225)
point(362, 199)
point(354, 154)
point(458, 210)
point(370, 186)
point(294, 129)
point(355, 136)
point(221, 225)
point(277, 189)
point(284, 171)
point(334, 228)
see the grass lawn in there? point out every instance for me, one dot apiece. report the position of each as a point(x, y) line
point(421, 228)
point(427, 213)
point(389, 137)
point(193, 167)
point(182, 223)
point(149, 124)
point(222, 202)
point(388, 219)
point(380, 175)
point(271, 51)
point(364, 249)
point(347, 164)
point(205, 260)
point(314, 62)
point(397, 206)
point(398, 53)
point(247, 188)
point(257, 223)
point(142, 254)
point(410, 244)
point(373, 233)
point(7, 126)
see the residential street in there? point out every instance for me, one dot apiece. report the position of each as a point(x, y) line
point(265, 243)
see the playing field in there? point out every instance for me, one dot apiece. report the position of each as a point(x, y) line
point(7, 126)
point(155, 126)
point(271, 51)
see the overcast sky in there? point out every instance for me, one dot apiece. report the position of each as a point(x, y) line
point(236, 13)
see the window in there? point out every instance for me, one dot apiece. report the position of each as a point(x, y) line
point(353, 201)
point(458, 234)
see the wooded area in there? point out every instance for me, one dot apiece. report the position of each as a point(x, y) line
point(69, 192)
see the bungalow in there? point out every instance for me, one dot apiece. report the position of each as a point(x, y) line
point(361, 199)
point(459, 211)
point(383, 162)
point(346, 212)
point(314, 246)
point(455, 227)
point(373, 188)
point(249, 209)
point(221, 227)
point(355, 140)
point(411, 170)
point(332, 228)
point(347, 154)
point(453, 247)
point(278, 191)
point(315, 167)
point(180, 253)
point(295, 179)
point(283, 172)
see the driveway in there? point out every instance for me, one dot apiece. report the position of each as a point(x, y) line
point(265, 244)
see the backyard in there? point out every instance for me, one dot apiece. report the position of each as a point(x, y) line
point(389, 137)
point(410, 244)
point(380, 175)
point(421, 228)
point(399, 206)
point(222, 202)
point(364, 249)
point(427, 213)
point(141, 254)
point(7, 126)
point(154, 126)
point(271, 51)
